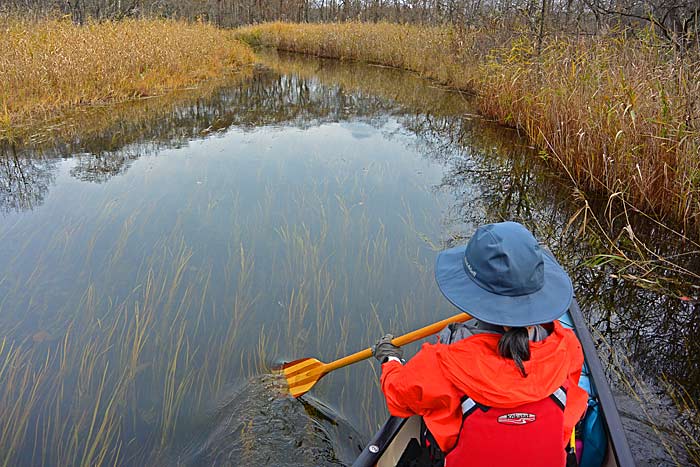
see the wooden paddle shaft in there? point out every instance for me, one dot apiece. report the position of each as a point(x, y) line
point(399, 342)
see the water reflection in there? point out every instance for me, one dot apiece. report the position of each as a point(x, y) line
point(296, 213)
point(214, 229)
point(269, 99)
point(24, 181)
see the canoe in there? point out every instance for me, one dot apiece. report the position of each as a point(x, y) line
point(603, 438)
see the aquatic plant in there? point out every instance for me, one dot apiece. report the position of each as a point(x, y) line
point(52, 65)
point(173, 299)
point(129, 320)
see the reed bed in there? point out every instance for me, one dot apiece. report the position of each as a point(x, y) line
point(439, 53)
point(52, 65)
point(620, 116)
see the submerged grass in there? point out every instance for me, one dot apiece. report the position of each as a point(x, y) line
point(664, 408)
point(620, 115)
point(158, 324)
point(52, 65)
point(689, 425)
point(184, 297)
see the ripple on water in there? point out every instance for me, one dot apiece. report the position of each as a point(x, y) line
point(260, 424)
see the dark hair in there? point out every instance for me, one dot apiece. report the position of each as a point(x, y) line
point(515, 344)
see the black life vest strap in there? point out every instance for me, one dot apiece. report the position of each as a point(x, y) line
point(469, 405)
point(559, 397)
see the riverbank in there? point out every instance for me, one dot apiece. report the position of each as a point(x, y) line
point(54, 65)
point(620, 116)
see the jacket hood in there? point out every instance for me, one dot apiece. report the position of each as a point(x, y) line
point(474, 367)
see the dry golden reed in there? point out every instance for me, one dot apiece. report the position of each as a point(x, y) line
point(621, 116)
point(52, 65)
point(438, 53)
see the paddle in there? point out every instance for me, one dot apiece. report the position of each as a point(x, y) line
point(303, 374)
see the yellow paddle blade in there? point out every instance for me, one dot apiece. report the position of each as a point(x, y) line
point(302, 374)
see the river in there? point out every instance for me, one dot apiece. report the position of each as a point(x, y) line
point(158, 257)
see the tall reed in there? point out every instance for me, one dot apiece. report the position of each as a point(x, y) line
point(52, 65)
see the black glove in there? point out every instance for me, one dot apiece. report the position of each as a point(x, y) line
point(384, 349)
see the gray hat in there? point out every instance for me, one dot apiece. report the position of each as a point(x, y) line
point(503, 277)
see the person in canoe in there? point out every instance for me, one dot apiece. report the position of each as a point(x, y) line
point(501, 388)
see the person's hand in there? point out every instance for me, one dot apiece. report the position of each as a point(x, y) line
point(384, 349)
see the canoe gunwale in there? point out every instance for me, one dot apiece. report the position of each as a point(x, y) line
point(380, 440)
point(613, 423)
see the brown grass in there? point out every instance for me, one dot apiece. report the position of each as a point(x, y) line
point(620, 115)
point(52, 65)
point(439, 53)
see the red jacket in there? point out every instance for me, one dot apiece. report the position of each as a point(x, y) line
point(432, 383)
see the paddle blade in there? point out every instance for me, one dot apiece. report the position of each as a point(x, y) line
point(302, 374)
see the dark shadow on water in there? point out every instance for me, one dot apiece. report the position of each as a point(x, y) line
point(260, 424)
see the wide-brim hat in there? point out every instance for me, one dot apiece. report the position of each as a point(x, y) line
point(503, 277)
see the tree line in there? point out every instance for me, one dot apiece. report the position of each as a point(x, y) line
point(676, 20)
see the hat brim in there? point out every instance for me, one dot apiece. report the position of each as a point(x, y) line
point(543, 306)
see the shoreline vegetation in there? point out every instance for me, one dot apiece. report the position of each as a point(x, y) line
point(51, 66)
point(620, 115)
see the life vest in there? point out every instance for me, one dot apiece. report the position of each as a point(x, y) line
point(432, 383)
point(526, 435)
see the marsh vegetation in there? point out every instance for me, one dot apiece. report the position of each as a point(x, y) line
point(617, 114)
point(186, 245)
point(48, 66)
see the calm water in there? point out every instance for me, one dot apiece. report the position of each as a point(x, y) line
point(156, 263)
